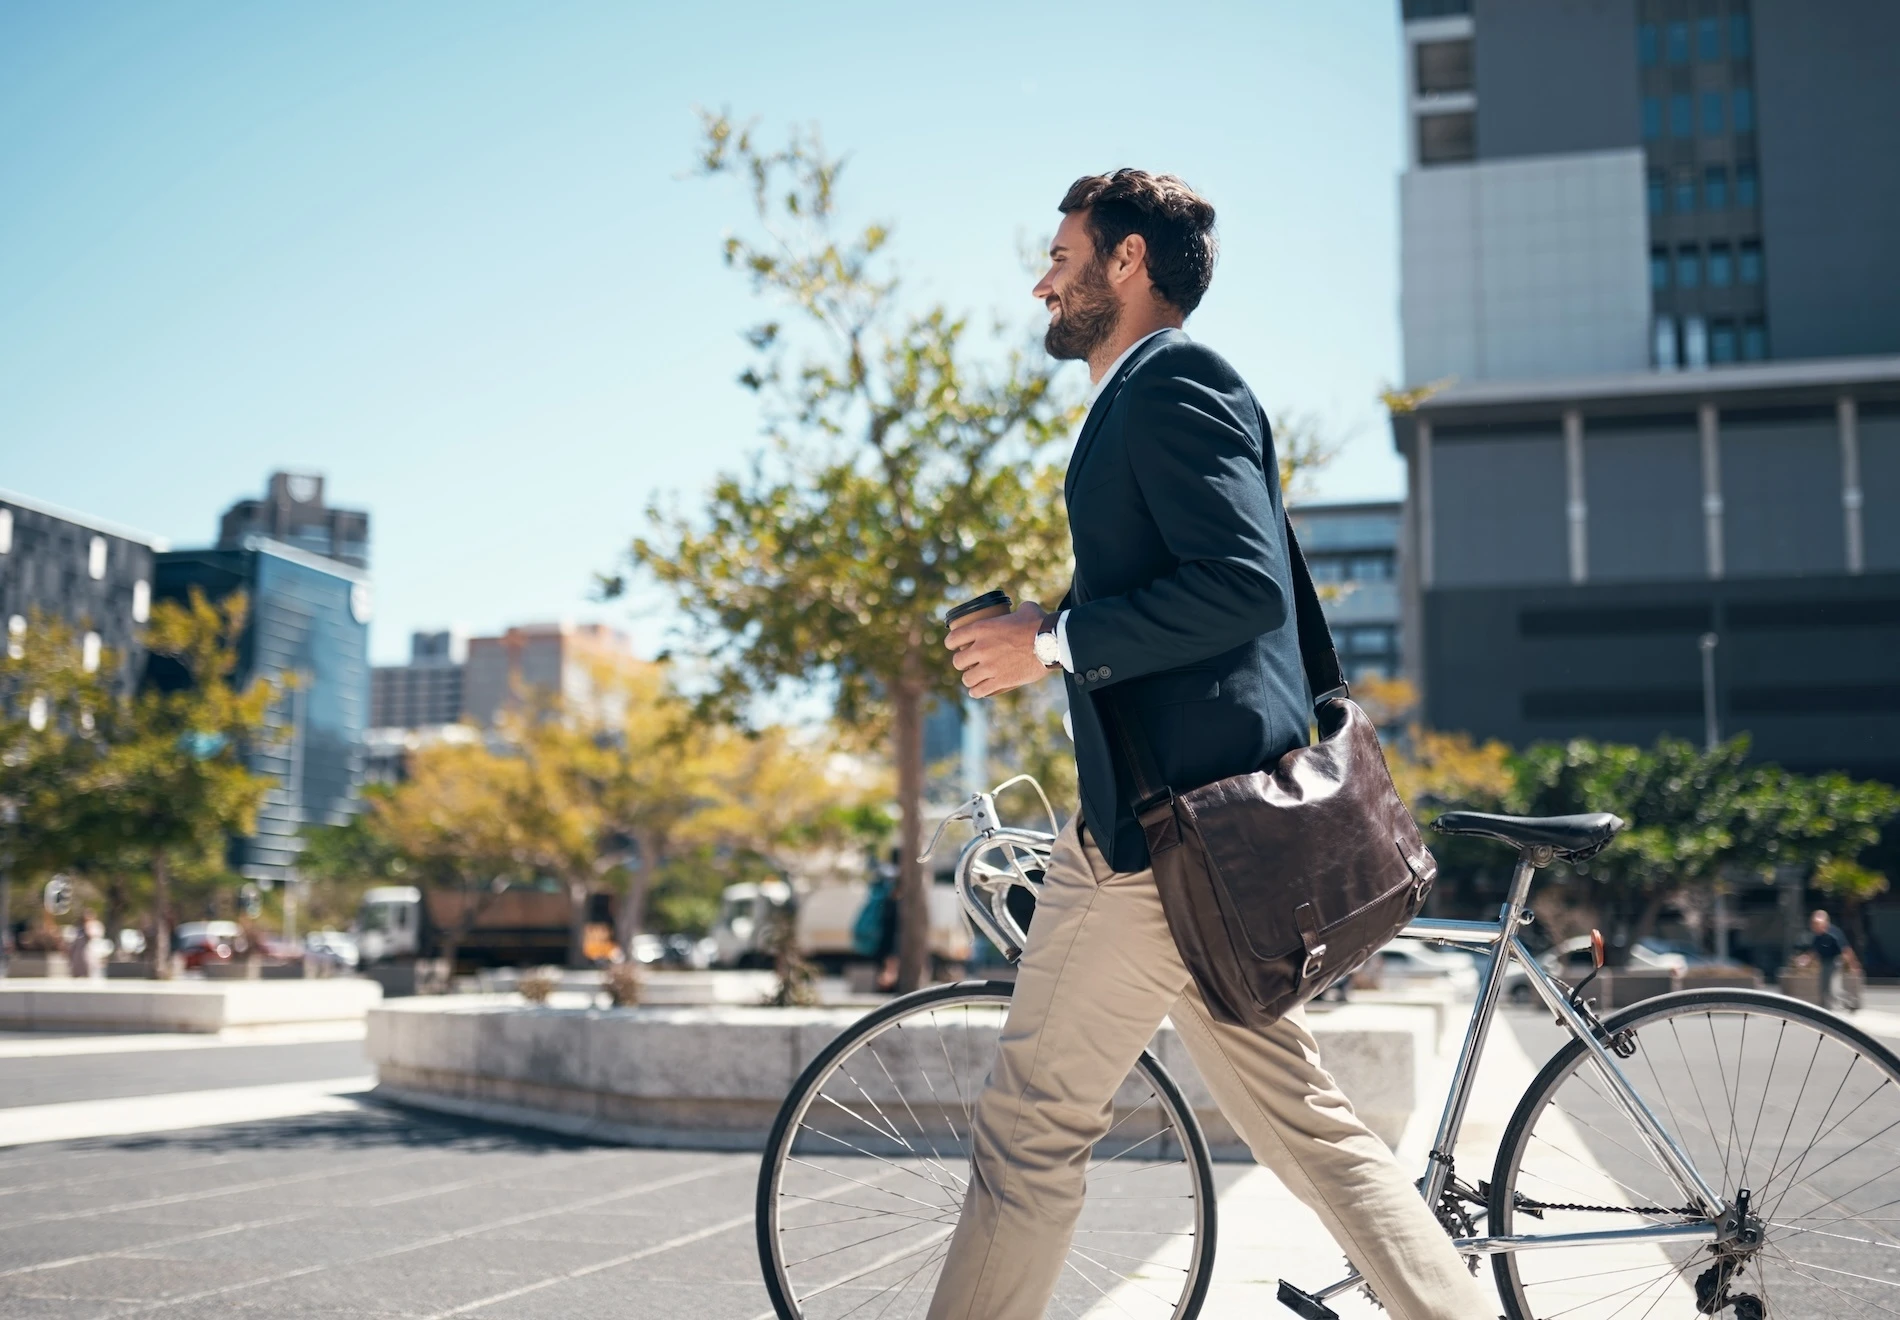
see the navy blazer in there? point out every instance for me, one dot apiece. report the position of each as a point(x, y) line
point(1181, 611)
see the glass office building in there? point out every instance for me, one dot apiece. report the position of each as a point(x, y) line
point(308, 631)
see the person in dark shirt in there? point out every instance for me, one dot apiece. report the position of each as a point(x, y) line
point(1827, 944)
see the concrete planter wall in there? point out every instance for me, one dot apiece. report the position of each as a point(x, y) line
point(715, 1076)
point(42, 966)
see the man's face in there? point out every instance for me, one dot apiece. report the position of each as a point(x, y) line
point(1818, 922)
point(1083, 309)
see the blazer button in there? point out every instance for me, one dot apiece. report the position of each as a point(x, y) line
point(1092, 675)
point(1104, 673)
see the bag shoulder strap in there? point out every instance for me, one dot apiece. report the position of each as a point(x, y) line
point(1318, 656)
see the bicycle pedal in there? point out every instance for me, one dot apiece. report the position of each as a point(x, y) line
point(1305, 1304)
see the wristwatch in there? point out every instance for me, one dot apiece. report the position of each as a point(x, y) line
point(1048, 648)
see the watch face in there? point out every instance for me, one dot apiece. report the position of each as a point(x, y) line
point(1048, 650)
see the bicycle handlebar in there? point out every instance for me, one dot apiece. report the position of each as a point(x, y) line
point(992, 862)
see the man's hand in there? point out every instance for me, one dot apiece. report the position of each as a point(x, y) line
point(998, 655)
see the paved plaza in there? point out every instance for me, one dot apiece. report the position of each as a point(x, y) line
point(253, 1177)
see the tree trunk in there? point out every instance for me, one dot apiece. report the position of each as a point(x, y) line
point(115, 905)
point(631, 919)
point(577, 891)
point(1646, 919)
point(913, 895)
point(161, 927)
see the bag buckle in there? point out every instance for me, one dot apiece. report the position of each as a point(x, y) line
point(1310, 968)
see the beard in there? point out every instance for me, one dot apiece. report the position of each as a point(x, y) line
point(1088, 315)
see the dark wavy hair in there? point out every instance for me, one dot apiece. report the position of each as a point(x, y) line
point(1176, 222)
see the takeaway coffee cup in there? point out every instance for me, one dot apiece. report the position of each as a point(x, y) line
point(987, 606)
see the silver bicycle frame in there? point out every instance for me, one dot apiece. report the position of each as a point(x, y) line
point(1000, 856)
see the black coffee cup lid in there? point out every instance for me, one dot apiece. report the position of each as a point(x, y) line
point(988, 600)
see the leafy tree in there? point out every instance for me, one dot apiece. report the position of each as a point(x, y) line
point(1682, 804)
point(174, 785)
point(904, 472)
point(55, 720)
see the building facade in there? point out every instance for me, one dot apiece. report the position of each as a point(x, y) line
point(561, 660)
point(293, 513)
point(425, 692)
point(1352, 551)
point(308, 631)
point(1595, 186)
point(1573, 546)
point(1706, 445)
point(92, 575)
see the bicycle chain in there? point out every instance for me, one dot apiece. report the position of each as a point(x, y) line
point(1525, 1203)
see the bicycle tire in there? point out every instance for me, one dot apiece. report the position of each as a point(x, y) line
point(804, 1091)
point(1747, 1004)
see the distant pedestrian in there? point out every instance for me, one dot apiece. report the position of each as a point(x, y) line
point(1827, 944)
point(85, 958)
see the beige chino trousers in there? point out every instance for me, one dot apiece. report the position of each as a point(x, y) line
point(1099, 975)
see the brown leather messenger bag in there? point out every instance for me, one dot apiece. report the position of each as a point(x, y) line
point(1279, 882)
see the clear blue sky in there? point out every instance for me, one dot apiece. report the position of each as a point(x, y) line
point(443, 252)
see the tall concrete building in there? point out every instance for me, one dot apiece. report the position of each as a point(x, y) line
point(1647, 257)
point(1352, 551)
point(560, 659)
point(92, 575)
point(293, 513)
point(425, 692)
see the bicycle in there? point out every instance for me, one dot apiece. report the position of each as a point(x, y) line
point(1635, 1178)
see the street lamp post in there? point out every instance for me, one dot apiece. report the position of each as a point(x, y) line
point(1711, 739)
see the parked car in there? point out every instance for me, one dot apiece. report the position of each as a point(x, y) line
point(694, 954)
point(1407, 964)
point(200, 942)
point(333, 948)
point(1571, 961)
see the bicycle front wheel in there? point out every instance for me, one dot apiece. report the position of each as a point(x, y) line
point(865, 1171)
point(1780, 1106)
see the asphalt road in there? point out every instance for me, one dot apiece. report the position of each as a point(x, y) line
point(45, 1081)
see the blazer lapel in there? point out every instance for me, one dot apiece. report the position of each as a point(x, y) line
point(1103, 402)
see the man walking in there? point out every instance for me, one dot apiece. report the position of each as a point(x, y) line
point(1826, 944)
point(1179, 618)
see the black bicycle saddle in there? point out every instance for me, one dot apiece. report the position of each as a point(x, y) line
point(1571, 837)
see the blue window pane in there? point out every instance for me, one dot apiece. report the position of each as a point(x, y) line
point(1652, 117)
point(1722, 341)
point(1688, 268)
point(1746, 193)
point(1682, 115)
point(1646, 47)
point(1744, 110)
point(1658, 269)
point(1712, 119)
point(1738, 36)
point(1754, 341)
point(1715, 188)
point(1658, 194)
point(1748, 264)
point(1708, 40)
point(1685, 193)
point(1721, 266)
point(1678, 43)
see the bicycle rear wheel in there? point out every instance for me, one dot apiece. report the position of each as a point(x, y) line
point(865, 1170)
point(1767, 1096)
